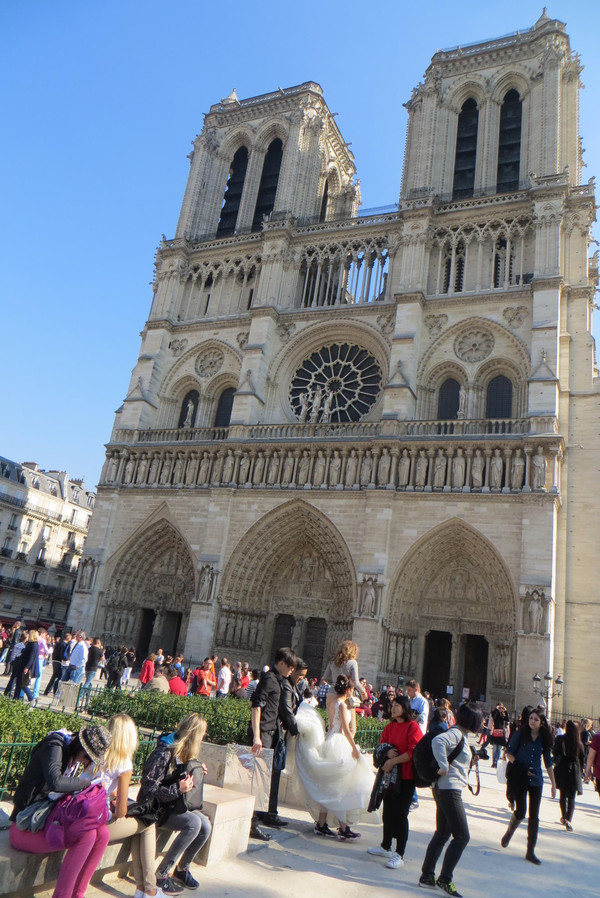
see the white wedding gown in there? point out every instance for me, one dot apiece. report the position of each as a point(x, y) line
point(330, 776)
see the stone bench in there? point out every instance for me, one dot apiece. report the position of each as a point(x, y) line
point(230, 812)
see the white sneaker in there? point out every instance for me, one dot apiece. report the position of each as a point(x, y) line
point(159, 894)
point(138, 894)
point(378, 851)
point(395, 861)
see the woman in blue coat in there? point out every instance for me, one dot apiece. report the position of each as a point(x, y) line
point(526, 748)
point(27, 663)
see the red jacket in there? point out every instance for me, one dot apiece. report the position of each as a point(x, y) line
point(147, 671)
point(177, 686)
point(403, 735)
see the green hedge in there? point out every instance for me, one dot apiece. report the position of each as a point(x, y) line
point(20, 723)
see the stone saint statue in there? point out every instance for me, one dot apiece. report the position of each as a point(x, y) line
point(319, 469)
point(539, 470)
point(178, 469)
point(304, 468)
point(383, 468)
point(496, 468)
point(228, 467)
point(404, 469)
point(477, 470)
point(189, 415)
point(288, 469)
point(244, 468)
point(335, 465)
point(191, 470)
point(112, 469)
point(204, 468)
point(259, 469)
point(154, 469)
point(206, 578)
point(439, 470)
point(517, 471)
point(316, 405)
point(128, 476)
point(165, 474)
point(458, 470)
point(326, 408)
point(368, 598)
point(366, 468)
point(462, 403)
point(421, 472)
point(351, 468)
point(535, 612)
point(142, 470)
point(273, 473)
point(304, 406)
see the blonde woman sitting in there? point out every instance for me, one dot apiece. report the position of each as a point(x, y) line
point(165, 778)
point(116, 775)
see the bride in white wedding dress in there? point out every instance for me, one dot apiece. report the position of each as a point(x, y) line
point(336, 778)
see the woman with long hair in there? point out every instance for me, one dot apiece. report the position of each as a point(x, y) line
point(336, 778)
point(61, 763)
point(451, 818)
point(116, 776)
point(166, 778)
point(569, 764)
point(403, 733)
point(526, 748)
point(26, 668)
point(345, 663)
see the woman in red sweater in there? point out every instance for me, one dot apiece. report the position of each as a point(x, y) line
point(403, 732)
point(147, 671)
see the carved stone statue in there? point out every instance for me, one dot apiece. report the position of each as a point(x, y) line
point(128, 475)
point(496, 469)
point(178, 469)
point(288, 470)
point(273, 472)
point(154, 466)
point(366, 468)
point(191, 470)
point(404, 469)
point(244, 468)
point(304, 468)
point(304, 406)
point(477, 470)
point(189, 415)
point(319, 469)
point(368, 598)
point(462, 403)
point(351, 468)
point(539, 470)
point(165, 473)
point(335, 465)
point(535, 612)
point(259, 469)
point(517, 471)
point(458, 470)
point(316, 405)
point(206, 583)
point(326, 408)
point(228, 467)
point(383, 468)
point(113, 466)
point(204, 468)
point(140, 476)
point(439, 470)
point(421, 472)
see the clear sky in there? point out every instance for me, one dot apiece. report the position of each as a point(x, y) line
point(100, 100)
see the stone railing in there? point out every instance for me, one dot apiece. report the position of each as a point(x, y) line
point(545, 424)
point(464, 465)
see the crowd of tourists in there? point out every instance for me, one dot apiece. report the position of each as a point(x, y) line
point(425, 743)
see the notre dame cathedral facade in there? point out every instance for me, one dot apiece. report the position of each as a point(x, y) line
point(378, 426)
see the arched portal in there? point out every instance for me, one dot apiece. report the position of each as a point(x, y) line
point(289, 580)
point(452, 616)
point(150, 592)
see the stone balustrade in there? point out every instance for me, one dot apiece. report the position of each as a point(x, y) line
point(539, 424)
point(467, 466)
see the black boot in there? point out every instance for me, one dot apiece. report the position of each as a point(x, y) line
point(532, 834)
point(512, 826)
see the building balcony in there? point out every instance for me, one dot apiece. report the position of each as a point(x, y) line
point(40, 562)
point(26, 586)
point(21, 556)
point(5, 552)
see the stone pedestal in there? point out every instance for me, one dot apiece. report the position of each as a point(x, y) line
point(235, 767)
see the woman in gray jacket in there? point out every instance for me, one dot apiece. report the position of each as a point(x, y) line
point(451, 819)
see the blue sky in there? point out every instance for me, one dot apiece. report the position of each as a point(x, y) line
point(100, 100)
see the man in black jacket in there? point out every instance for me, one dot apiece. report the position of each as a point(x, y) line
point(269, 716)
point(58, 653)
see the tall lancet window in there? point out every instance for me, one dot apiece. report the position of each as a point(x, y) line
point(268, 183)
point(509, 144)
point(323, 212)
point(233, 193)
point(466, 150)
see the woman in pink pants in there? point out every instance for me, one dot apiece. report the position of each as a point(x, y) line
point(53, 767)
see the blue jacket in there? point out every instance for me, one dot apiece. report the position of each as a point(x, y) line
point(530, 755)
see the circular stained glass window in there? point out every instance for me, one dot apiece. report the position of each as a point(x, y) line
point(340, 382)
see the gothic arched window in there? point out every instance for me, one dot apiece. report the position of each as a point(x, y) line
point(498, 403)
point(223, 415)
point(448, 400)
point(268, 183)
point(454, 267)
point(189, 409)
point(466, 150)
point(233, 193)
point(509, 143)
point(323, 212)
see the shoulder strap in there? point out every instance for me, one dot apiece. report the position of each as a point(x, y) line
point(456, 750)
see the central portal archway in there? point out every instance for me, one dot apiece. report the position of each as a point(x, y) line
point(452, 610)
point(291, 581)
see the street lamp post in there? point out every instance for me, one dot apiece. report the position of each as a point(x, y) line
point(546, 691)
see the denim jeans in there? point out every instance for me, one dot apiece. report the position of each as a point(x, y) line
point(450, 820)
point(193, 830)
point(77, 674)
point(497, 751)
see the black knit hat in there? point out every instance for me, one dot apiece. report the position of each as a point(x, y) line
point(95, 741)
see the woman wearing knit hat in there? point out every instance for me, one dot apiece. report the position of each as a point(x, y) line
point(59, 764)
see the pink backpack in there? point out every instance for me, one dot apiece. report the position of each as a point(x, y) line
point(74, 814)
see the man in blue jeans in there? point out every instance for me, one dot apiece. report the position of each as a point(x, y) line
point(419, 704)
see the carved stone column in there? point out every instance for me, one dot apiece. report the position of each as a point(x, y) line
point(486, 483)
point(507, 455)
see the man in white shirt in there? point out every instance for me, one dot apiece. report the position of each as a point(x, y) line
point(224, 679)
point(78, 658)
point(420, 705)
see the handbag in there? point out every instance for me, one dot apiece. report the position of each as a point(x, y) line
point(501, 771)
point(498, 734)
point(33, 817)
point(149, 810)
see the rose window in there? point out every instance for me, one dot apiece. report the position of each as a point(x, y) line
point(340, 382)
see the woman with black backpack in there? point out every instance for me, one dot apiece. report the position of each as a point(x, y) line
point(173, 777)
